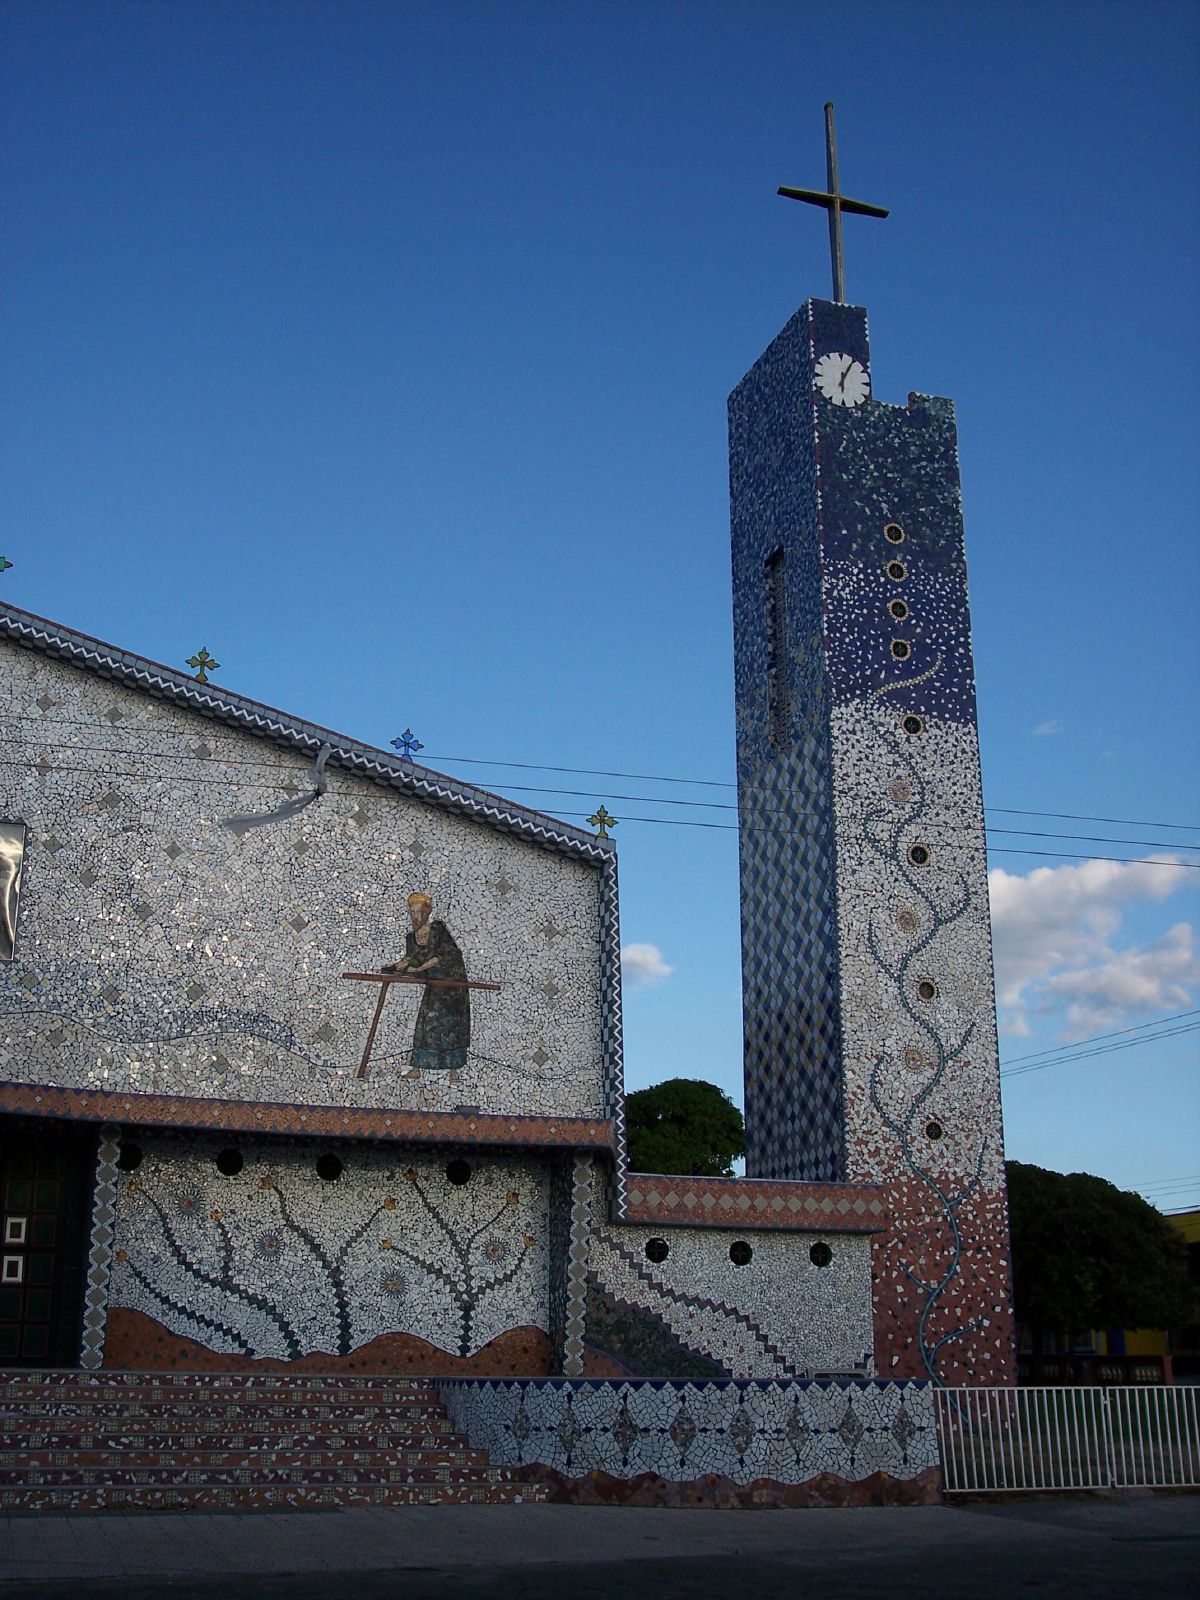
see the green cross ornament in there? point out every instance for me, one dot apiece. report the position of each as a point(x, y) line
point(204, 664)
point(602, 822)
point(4, 564)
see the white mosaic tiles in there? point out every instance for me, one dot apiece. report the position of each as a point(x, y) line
point(788, 1432)
point(778, 1315)
point(159, 951)
point(902, 926)
point(276, 1260)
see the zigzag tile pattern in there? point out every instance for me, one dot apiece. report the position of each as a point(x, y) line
point(39, 633)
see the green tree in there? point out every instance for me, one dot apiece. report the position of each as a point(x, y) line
point(684, 1125)
point(1086, 1254)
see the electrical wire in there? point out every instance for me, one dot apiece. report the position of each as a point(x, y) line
point(231, 784)
point(1101, 1050)
point(653, 777)
point(1138, 1027)
point(713, 805)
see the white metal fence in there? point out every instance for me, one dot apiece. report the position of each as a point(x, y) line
point(994, 1441)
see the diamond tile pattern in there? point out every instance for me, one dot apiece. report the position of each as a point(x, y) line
point(104, 1207)
point(788, 863)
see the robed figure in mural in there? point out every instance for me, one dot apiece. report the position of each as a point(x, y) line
point(443, 1030)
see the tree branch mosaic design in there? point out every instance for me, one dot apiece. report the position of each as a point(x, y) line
point(290, 1263)
point(885, 829)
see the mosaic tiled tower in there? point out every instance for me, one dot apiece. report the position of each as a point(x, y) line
point(870, 1048)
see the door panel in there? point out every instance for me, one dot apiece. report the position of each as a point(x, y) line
point(46, 1173)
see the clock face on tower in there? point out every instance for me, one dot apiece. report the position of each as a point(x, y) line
point(842, 379)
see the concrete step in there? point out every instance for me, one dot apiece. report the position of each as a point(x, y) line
point(41, 1379)
point(131, 1437)
point(255, 1472)
point(94, 1441)
point(201, 1413)
point(318, 1453)
point(215, 1497)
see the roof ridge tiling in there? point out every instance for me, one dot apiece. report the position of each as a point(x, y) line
point(226, 705)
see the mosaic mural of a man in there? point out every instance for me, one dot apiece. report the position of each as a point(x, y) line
point(443, 1031)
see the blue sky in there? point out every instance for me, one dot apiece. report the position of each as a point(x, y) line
point(383, 349)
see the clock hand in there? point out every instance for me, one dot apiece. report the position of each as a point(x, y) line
point(846, 373)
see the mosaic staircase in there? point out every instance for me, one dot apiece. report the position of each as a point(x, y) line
point(81, 1441)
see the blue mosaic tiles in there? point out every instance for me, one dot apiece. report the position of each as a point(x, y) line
point(789, 920)
point(680, 1431)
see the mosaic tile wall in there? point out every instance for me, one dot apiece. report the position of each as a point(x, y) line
point(161, 952)
point(789, 923)
point(288, 1256)
point(760, 1306)
point(676, 1432)
point(905, 883)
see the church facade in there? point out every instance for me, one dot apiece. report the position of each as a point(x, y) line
point(310, 1057)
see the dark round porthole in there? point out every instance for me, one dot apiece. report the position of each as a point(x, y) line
point(934, 1130)
point(897, 571)
point(820, 1254)
point(458, 1170)
point(657, 1250)
point(926, 989)
point(893, 533)
point(130, 1158)
point(918, 854)
point(898, 609)
point(230, 1163)
point(740, 1253)
point(912, 725)
point(329, 1167)
point(901, 649)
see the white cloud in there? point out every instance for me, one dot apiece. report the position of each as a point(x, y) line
point(1052, 930)
point(642, 964)
point(1043, 728)
point(1152, 980)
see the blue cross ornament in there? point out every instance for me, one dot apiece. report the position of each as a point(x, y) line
point(407, 744)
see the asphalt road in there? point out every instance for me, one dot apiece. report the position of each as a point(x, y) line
point(1120, 1547)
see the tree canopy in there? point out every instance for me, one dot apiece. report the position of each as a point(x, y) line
point(684, 1126)
point(1086, 1254)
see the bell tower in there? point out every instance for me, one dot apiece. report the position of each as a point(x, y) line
point(869, 1011)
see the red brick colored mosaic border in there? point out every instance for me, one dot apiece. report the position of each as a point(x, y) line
point(135, 1342)
point(249, 1116)
point(715, 1490)
point(754, 1203)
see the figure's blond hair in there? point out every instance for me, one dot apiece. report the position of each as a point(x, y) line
point(420, 900)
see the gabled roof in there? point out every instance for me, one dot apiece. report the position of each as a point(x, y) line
point(222, 705)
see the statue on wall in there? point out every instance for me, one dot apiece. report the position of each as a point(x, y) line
point(12, 855)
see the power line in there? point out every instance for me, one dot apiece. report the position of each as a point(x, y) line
point(1138, 1027)
point(232, 784)
point(709, 805)
point(1101, 1050)
point(654, 777)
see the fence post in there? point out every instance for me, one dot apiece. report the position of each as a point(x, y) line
point(1110, 1453)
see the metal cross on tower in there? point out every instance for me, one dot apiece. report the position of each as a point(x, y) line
point(835, 202)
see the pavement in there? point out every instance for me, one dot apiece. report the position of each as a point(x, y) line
point(1100, 1546)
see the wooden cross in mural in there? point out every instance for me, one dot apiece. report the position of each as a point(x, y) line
point(384, 979)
